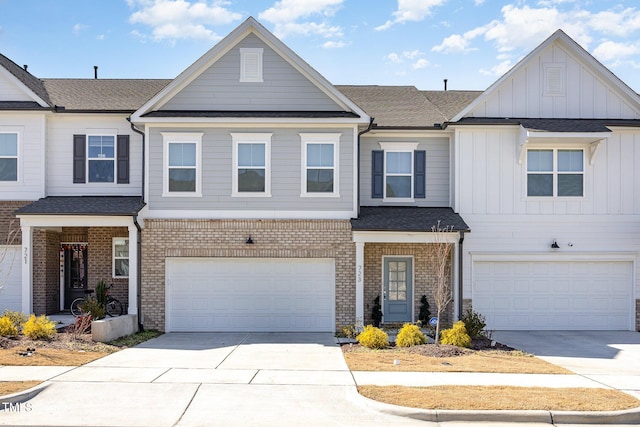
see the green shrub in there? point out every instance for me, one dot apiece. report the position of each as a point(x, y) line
point(39, 328)
point(92, 307)
point(376, 312)
point(474, 322)
point(17, 318)
point(424, 311)
point(7, 328)
point(373, 337)
point(101, 292)
point(456, 336)
point(350, 331)
point(410, 335)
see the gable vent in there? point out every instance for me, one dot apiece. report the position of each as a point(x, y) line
point(554, 79)
point(251, 65)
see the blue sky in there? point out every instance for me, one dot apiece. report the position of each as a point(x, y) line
point(388, 42)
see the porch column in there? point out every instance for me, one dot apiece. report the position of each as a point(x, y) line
point(360, 285)
point(27, 270)
point(133, 270)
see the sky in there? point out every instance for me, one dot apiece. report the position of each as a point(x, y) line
point(471, 43)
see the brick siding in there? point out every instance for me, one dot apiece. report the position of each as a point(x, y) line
point(226, 238)
point(9, 222)
point(424, 281)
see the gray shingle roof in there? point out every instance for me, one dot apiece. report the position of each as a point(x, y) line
point(253, 114)
point(84, 205)
point(29, 80)
point(406, 218)
point(451, 102)
point(102, 94)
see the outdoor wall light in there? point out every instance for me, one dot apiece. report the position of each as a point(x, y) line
point(249, 241)
point(555, 245)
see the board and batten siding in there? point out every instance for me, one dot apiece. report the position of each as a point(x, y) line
point(283, 87)
point(31, 128)
point(586, 95)
point(493, 182)
point(286, 164)
point(437, 171)
point(61, 129)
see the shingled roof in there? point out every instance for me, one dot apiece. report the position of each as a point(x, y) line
point(29, 80)
point(84, 205)
point(451, 102)
point(407, 218)
point(125, 95)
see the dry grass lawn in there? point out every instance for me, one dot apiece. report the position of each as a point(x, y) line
point(502, 398)
point(364, 359)
point(48, 357)
point(9, 387)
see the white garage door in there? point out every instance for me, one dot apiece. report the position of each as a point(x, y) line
point(575, 295)
point(250, 294)
point(10, 279)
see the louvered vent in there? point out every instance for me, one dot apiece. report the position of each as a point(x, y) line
point(554, 79)
point(251, 65)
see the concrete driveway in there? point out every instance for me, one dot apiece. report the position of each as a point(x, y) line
point(230, 379)
point(611, 358)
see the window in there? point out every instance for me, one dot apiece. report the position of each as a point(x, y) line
point(8, 157)
point(398, 175)
point(319, 164)
point(182, 164)
point(398, 172)
point(555, 173)
point(251, 159)
point(120, 257)
point(101, 158)
point(251, 64)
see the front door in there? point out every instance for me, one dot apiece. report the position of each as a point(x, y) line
point(75, 272)
point(398, 289)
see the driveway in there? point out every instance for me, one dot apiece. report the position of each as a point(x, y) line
point(231, 379)
point(611, 358)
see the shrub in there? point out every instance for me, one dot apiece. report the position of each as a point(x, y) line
point(424, 311)
point(350, 331)
point(17, 318)
point(7, 328)
point(410, 335)
point(373, 337)
point(474, 322)
point(92, 307)
point(39, 328)
point(101, 292)
point(456, 336)
point(82, 325)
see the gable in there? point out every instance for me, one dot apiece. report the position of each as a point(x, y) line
point(11, 91)
point(220, 87)
point(559, 79)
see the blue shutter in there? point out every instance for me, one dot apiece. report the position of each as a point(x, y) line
point(377, 174)
point(79, 159)
point(123, 159)
point(419, 174)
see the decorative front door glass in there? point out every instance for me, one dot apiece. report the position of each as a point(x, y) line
point(75, 272)
point(397, 289)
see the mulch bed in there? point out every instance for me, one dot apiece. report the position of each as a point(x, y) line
point(443, 350)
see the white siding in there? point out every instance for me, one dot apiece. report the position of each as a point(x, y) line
point(10, 278)
point(61, 129)
point(437, 179)
point(587, 94)
point(31, 135)
point(10, 91)
point(283, 87)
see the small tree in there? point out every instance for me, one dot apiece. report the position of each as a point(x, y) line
point(442, 291)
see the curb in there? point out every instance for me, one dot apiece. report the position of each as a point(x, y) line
point(23, 396)
point(630, 416)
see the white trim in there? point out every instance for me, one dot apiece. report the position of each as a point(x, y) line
point(359, 284)
point(307, 139)
point(114, 257)
point(184, 138)
point(47, 221)
point(17, 131)
point(245, 55)
point(113, 159)
point(555, 173)
point(399, 146)
point(26, 258)
point(31, 94)
point(404, 237)
point(251, 138)
point(413, 285)
point(406, 147)
point(247, 214)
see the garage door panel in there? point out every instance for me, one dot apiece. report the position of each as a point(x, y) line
point(553, 295)
point(241, 294)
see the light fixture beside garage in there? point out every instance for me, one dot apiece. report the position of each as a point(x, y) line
point(555, 245)
point(249, 241)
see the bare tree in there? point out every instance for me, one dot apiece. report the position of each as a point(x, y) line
point(12, 236)
point(442, 292)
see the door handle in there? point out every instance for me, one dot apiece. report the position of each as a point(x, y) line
point(384, 295)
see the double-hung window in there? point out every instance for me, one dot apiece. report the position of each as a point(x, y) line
point(8, 157)
point(252, 164)
point(320, 164)
point(182, 173)
point(398, 172)
point(101, 158)
point(555, 172)
point(120, 257)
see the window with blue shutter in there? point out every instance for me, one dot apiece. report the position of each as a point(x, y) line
point(377, 174)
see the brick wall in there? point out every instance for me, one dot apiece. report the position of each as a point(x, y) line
point(226, 238)
point(46, 272)
point(9, 222)
point(424, 280)
point(100, 252)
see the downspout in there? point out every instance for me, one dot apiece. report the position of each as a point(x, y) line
point(368, 129)
point(460, 253)
point(139, 245)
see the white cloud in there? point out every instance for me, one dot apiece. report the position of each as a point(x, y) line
point(609, 50)
point(619, 23)
point(334, 44)
point(453, 44)
point(394, 57)
point(410, 10)
point(420, 63)
point(412, 54)
point(180, 19)
point(78, 28)
point(294, 17)
point(497, 70)
point(100, 37)
point(479, 2)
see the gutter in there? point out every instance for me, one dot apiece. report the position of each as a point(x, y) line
point(460, 269)
point(136, 130)
point(368, 129)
